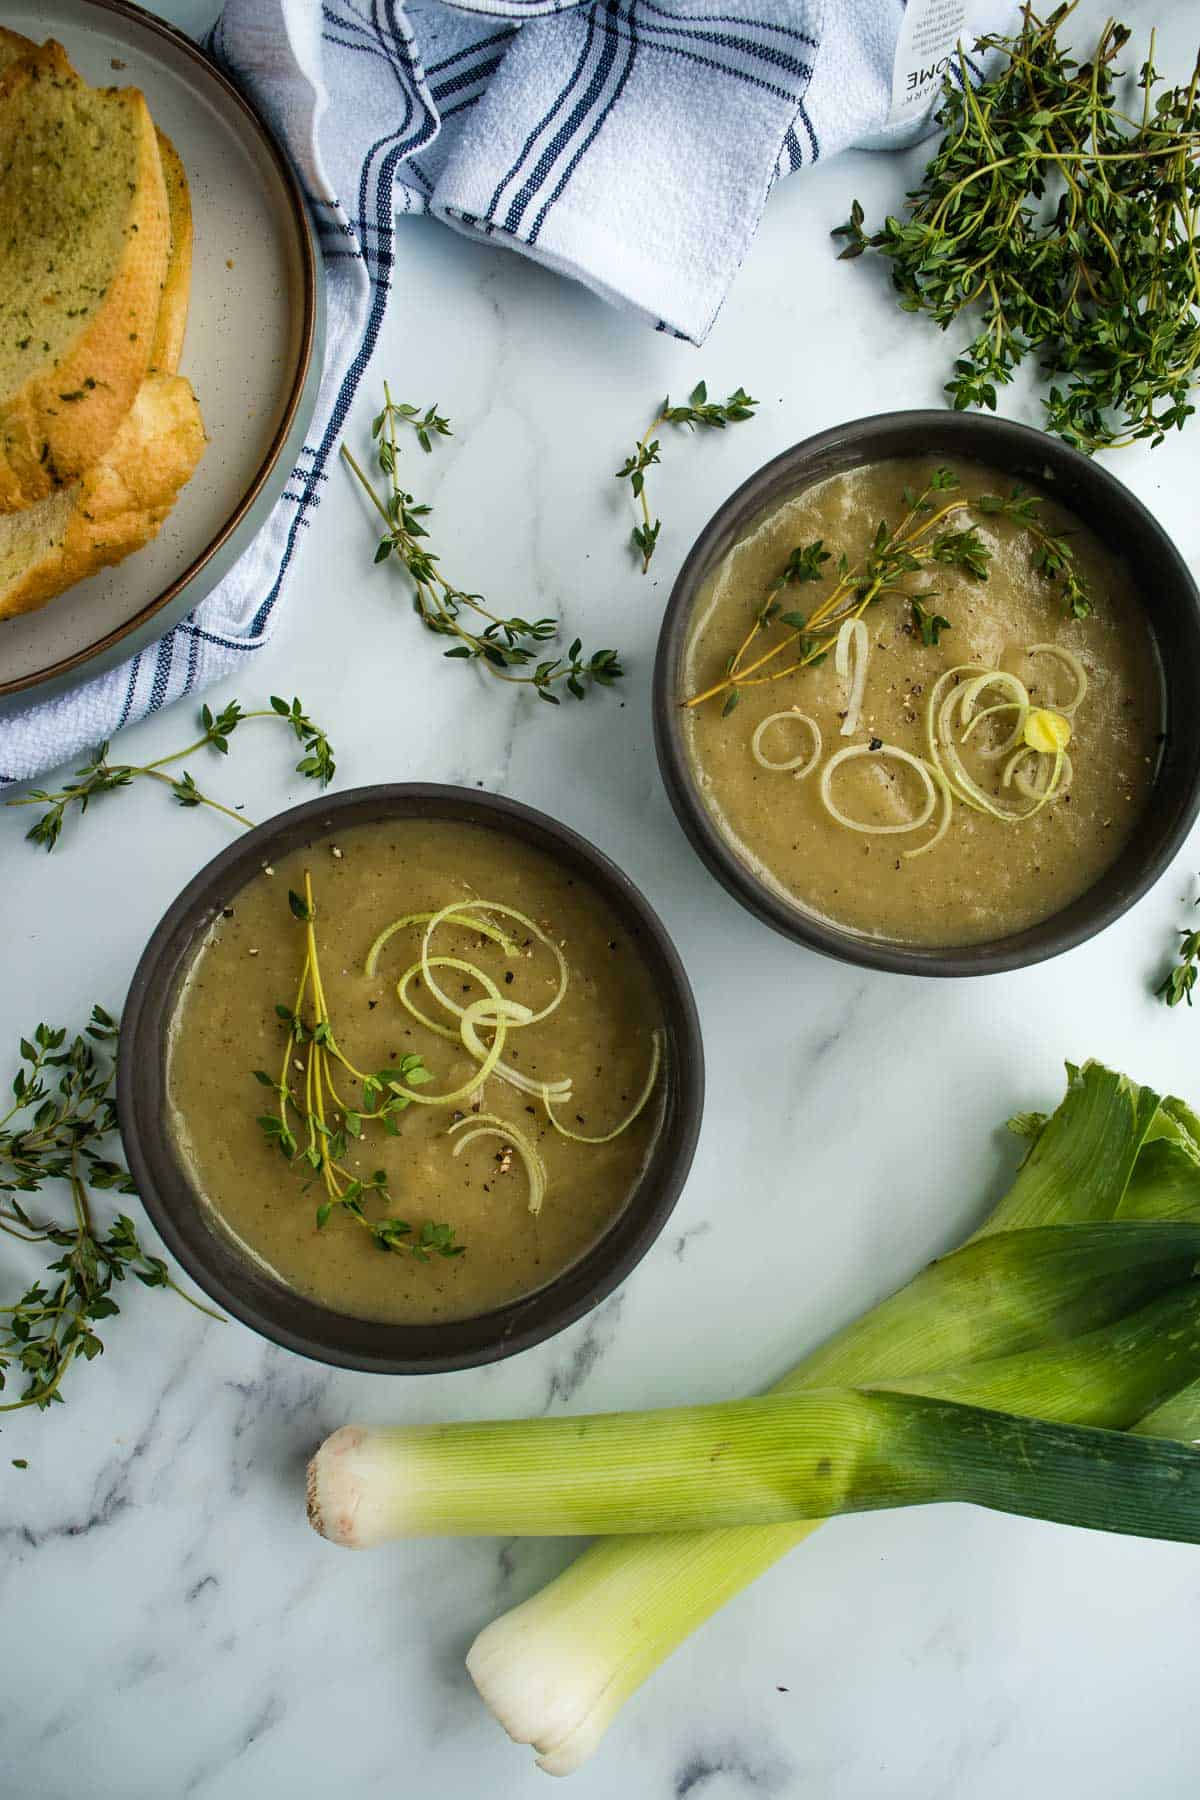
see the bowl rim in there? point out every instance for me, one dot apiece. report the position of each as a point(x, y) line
point(160, 1174)
point(1049, 937)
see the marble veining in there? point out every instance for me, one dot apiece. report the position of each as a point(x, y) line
point(734, 1770)
point(173, 1628)
point(598, 1336)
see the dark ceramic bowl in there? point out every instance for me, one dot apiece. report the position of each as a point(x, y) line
point(213, 1260)
point(1120, 521)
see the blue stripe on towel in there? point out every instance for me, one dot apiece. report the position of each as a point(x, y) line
point(596, 125)
point(162, 672)
point(598, 93)
point(379, 262)
point(545, 122)
point(131, 690)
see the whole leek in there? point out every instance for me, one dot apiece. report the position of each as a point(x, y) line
point(751, 1462)
point(809, 1454)
point(557, 1668)
point(1074, 1303)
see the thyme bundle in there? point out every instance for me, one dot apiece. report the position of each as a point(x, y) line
point(55, 1131)
point(1069, 225)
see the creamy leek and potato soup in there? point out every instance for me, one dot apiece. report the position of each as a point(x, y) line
point(922, 702)
point(416, 1069)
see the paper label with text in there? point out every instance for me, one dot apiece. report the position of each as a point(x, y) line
point(929, 35)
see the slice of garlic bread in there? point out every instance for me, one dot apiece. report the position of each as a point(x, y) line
point(84, 238)
point(117, 507)
point(177, 283)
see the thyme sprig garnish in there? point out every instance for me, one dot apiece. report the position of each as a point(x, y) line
point(502, 645)
point(699, 411)
point(327, 1124)
point(925, 536)
point(55, 1130)
point(930, 625)
point(100, 776)
point(1070, 226)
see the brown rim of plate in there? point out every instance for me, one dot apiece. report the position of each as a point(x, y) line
point(127, 10)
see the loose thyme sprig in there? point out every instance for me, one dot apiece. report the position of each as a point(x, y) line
point(327, 1123)
point(103, 777)
point(700, 410)
point(1179, 981)
point(924, 536)
point(55, 1131)
point(1069, 226)
point(502, 645)
point(427, 426)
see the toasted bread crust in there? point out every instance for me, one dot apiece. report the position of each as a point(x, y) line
point(119, 504)
point(13, 46)
point(63, 417)
point(177, 283)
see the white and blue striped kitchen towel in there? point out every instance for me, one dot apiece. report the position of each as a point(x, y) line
point(630, 144)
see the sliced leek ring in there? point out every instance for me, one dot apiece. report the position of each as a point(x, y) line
point(853, 752)
point(799, 765)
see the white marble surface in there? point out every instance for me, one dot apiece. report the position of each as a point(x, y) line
point(172, 1626)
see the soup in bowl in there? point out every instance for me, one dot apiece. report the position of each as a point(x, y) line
point(410, 1078)
point(925, 695)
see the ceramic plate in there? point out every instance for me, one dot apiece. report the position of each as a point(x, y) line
point(252, 350)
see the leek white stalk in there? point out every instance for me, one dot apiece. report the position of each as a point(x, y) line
point(556, 1670)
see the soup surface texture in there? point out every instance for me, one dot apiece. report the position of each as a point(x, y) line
point(601, 1035)
point(987, 876)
